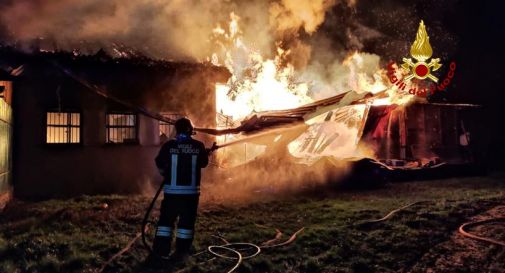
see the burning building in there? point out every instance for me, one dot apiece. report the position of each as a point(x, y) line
point(83, 123)
point(351, 125)
point(281, 95)
point(421, 132)
point(73, 133)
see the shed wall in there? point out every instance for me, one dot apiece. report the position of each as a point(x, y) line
point(5, 143)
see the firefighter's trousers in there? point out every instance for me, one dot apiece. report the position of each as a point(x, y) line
point(173, 206)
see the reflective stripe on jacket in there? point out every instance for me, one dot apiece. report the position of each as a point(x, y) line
point(181, 161)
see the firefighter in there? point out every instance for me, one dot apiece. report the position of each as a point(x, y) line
point(179, 161)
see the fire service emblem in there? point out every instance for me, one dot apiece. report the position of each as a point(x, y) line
point(420, 68)
point(421, 51)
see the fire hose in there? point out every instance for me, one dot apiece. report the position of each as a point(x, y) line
point(145, 222)
point(234, 248)
point(227, 247)
point(391, 213)
point(230, 247)
point(146, 219)
point(462, 229)
point(481, 238)
point(153, 202)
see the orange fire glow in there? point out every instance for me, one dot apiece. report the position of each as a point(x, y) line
point(259, 84)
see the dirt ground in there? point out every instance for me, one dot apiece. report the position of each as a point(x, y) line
point(79, 235)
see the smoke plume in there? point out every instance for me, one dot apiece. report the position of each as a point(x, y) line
point(288, 16)
point(174, 29)
point(178, 29)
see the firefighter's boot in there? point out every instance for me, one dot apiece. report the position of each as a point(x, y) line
point(182, 251)
point(162, 242)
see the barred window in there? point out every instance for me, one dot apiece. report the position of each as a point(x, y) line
point(121, 128)
point(63, 127)
point(167, 131)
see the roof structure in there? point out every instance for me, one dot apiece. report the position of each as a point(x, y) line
point(273, 119)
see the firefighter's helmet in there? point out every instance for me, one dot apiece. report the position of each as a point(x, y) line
point(184, 126)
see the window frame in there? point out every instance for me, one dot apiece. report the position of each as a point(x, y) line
point(69, 126)
point(135, 127)
point(170, 115)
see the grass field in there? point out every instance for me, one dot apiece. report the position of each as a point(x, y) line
point(75, 235)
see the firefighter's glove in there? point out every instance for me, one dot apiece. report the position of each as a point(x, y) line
point(212, 149)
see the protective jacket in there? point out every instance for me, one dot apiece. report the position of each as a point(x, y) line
point(180, 161)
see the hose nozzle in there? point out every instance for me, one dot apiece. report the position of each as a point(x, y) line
point(213, 148)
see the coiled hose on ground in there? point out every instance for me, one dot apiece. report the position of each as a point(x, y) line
point(233, 248)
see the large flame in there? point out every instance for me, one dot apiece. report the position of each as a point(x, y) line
point(259, 84)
